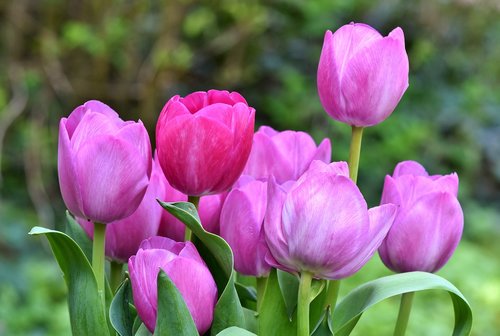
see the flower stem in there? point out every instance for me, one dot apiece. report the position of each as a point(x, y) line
point(303, 304)
point(195, 200)
point(98, 257)
point(261, 287)
point(116, 275)
point(404, 313)
point(332, 293)
point(354, 151)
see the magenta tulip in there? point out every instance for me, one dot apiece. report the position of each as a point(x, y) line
point(104, 163)
point(123, 237)
point(182, 263)
point(361, 74)
point(204, 141)
point(321, 224)
point(429, 222)
point(241, 225)
point(286, 155)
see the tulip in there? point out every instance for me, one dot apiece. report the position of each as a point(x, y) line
point(320, 225)
point(123, 237)
point(361, 74)
point(187, 270)
point(429, 222)
point(286, 155)
point(204, 141)
point(241, 225)
point(104, 163)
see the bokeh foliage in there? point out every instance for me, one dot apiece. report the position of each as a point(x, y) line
point(134, 55)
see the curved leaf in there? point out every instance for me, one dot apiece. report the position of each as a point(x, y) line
point(349, 310)
point(86, 310)
point(122, 314)
point(235, 331)
point(219, 259)
point(174, 317)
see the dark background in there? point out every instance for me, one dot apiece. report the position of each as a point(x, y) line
point(134, 55)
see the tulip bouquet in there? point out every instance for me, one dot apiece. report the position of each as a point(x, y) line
point(221, 231)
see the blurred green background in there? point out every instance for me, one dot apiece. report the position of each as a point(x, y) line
point(134, 55)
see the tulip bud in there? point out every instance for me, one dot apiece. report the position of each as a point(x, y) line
point(241, 225)
point(187, 270)
point(204, 140)
point(361, 74)
point(320, 224)
point(104, 163)
point(123, 237)
point(286, 155)
point(429, 222)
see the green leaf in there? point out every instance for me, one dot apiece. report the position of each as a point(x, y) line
point(235, 331)
point(251, 322)
point(173, 316)
point(122, 314)
point(142, 331)
point(86, 311)
point(247, 295)
point(289, 286)
point(323, 327)
point(219, 258)
point(349, 310)
point(75, 231)
point(273, 317)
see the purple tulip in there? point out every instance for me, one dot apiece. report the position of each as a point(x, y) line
point(286, 155)
point(124, 236)
point(429, 222)
point(182, 263)
point(361, 74)
point(104, 163)
point(204, 141)
point(321, 224)
point(241, 225)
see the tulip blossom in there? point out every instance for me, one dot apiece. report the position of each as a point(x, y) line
point(361, 74)
point(104, 163)
point(241, 225)
point(321, 224)
point(286, 155)
point(123, 237)
point(187, 270)
point(429, 222)
point(204, 141)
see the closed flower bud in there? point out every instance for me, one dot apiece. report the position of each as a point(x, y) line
point(429, 222)
point(103, 163)
point(361, 74)
point(204, 140)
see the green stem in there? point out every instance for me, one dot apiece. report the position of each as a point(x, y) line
point(261, 287)
point(332, 293)
point(116, 275)
point(354, 151)
point(404, 314)
point(98, 257)
point(303, 304)
point(195, 200)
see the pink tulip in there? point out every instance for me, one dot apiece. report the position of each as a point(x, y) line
point(429, 222)
point(321, 224)
point(182, 263)
point(361, 74)
point(286, 155)
point(124, 236)
point(104, 163)
point(204, 141)
point(241, 225)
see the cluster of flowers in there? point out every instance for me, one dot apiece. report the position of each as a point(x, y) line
point(275, 197)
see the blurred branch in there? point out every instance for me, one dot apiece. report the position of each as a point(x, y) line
point(13, 110)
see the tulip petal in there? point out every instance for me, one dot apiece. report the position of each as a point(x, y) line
point(109, 174)
point(209, 210)
point(391, 193)
point(374, 81)
point(409, 168)
point(92, 125)
point(136, 134)
point(424, 237)
point(381, 219)
point(68, 178)
point(321, 207)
